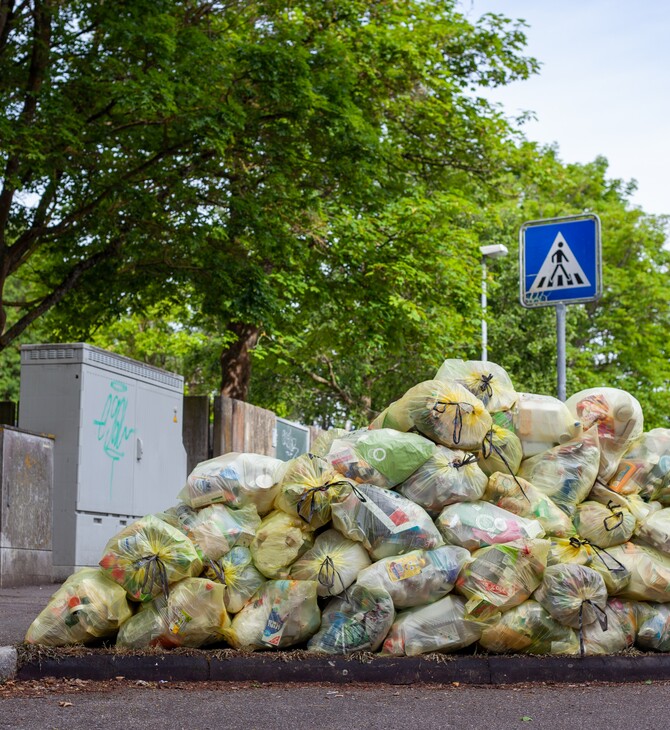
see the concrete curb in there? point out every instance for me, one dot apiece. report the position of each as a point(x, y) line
point(8, 663)
point(266, 668)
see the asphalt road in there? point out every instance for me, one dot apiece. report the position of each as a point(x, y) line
point(122, 705)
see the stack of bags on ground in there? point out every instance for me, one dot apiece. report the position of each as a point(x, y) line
point(467, 514)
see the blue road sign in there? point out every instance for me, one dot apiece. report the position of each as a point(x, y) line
point(560, 261)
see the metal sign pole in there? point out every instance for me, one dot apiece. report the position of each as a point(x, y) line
point(560, 350)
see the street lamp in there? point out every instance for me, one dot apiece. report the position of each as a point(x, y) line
point(494, 251)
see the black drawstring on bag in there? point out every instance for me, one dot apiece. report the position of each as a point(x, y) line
point(309, 495)
point(328, 574)
point(155, 574)
point(460, 463)
point(218, 571)
point(441, 407)
point(488, 440)
point(600, 615)
point(618, 516)
point(485, 386)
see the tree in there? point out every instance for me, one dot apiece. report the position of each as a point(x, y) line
point(150, 147)
point(619, 341)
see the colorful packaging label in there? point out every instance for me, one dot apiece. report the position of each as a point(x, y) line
point(179, 619)
point(404, 567)
point(274, 628)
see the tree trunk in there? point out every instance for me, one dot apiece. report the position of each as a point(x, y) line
point(236, 361)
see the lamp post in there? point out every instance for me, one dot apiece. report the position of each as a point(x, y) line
point(494, 251)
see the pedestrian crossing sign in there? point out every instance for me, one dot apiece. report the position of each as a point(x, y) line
point(560, 261)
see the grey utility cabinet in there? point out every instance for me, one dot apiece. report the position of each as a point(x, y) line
point(118, 451)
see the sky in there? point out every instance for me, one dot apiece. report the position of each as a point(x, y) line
point(603, 87)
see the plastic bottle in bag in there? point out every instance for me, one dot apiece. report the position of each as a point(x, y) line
point(645, 467)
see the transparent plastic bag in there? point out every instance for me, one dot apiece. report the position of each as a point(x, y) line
point(148, 556)
point(649, 572)
point(653, 630)
point(385, 522)
point(193, 615)
point(516, 495)
point(529, 629)
point(645, 467)
point(500, 451)
point(502, 576)
point(334, 563)
point(655, 530)
point(235, 480)
point(280, 540)
point(216, 529)
point(383, 457)
point(308, 488)
point(283, 613)
point(573, 594)
point(618, 418)
point(88, 606)
point(567, 472)
point(617, 635)
point(322, 443)
point(356, 621)
point(237, 572)
point(418, 577)
point(442, 626)
point(446, 413)
point(449, 476)
point(474, 525)
point(604, 525)
point(485, 380)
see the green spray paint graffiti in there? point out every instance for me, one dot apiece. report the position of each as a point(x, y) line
point(112, 430)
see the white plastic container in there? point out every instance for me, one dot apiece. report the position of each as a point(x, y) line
point(541, 422)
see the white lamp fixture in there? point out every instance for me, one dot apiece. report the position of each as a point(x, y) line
point(493, 251)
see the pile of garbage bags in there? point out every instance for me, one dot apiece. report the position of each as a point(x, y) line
point(467, 514)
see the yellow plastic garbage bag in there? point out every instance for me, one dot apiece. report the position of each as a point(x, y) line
point(383, 457)
point(632, 502)
point(356, 621)
point(148, 556)
point(645, 467)
point(502, 576)
point(385, 522)
point(604, 525)
point(616, 634)
point(193, 615)
point(334, 563)
point(309, 487)
point(87, 607)
point(485, 380)
point(322, 443)
point(446, 413)
point(529, 629)
point(541, 422)
point(516, 495)
point(283, 613)
point(649, 570)
point(215, 530)
point(567, 472)
point(449, 476)
point(235, 480)
point(500, 451)
point(442, 626)
point(573, 594)
point(618, 418)
point(240, 577)
point(474, 525)
point(281, 539)
point(418, 577)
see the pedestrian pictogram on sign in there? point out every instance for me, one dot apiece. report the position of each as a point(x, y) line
point(560, 261)
point(560, 269)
